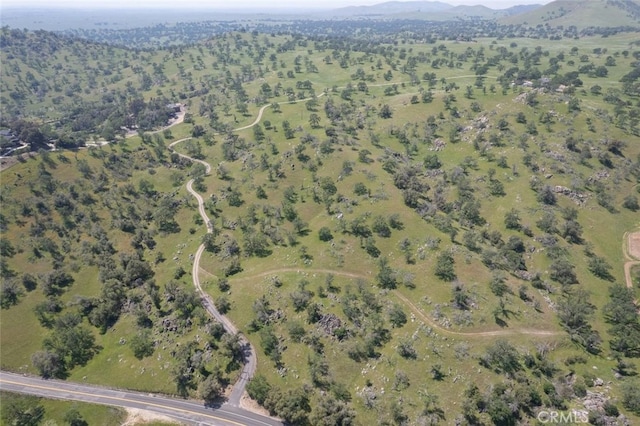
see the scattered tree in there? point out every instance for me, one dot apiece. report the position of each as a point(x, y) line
point(445, 266)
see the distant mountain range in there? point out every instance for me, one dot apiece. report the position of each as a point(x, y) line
point(578, 13)
point(433, 10)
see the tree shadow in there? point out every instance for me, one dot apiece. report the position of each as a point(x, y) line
point(216, 403)
point(501, 323)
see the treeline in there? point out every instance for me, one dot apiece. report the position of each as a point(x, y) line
point(372, 30)
point(108, 120)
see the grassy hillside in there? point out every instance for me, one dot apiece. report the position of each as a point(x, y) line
point(405, 220)
point(57, 412)
point(581, 14)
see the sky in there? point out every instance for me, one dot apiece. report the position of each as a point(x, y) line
point(235, 4)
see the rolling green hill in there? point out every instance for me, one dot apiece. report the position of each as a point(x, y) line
point(408, 232)
point(581, 14)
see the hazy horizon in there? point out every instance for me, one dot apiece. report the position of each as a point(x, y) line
point(238, 5)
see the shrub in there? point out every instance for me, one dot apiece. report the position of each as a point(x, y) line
point(324, 234)
point(258, 388)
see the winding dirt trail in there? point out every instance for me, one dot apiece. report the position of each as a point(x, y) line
point(495, 333)
point(415, 309)
point(264, 107)
point(249, 353)
point(631, 251)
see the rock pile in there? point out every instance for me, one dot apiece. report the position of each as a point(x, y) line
point(329, 323)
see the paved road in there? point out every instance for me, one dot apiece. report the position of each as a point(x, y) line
point(190, 412)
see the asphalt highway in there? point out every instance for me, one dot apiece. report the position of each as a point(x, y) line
point(185, 411)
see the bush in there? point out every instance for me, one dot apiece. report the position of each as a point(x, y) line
point(360, 189)
point(631, 203)
point(142, 344)
point(10, 294)
point(562, 271)
point(406, 350)
point(547, 196)
point(296, 331)
point(324, 234)
point(223, 284)
point(291, 405)
point(580, 388)
point(432, 162)
point(631, 396)
point(599, 267)
point(445, 267)
point(179, 273)
point(49, 364)
point(501, 357)
point(498, 285)
point(258, 388)
point(29, 282)
point(222, 305)
point(211, 387)
point(610, 409)
point(397, 317)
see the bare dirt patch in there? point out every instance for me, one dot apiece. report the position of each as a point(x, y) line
point(7, 162)
point(634, 245)
point(141, 417)
point(249, 404)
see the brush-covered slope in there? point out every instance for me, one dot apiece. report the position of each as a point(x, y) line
point(80, 88)
point(581, 14)
point(407, 232)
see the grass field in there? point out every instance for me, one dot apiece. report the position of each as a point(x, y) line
point(55, 411)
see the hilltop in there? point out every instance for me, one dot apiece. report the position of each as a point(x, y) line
point(581, 14)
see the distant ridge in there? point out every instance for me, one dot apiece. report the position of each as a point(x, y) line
point(428, 10)
point(581, 14)
point(521, 8)
point(392, 7)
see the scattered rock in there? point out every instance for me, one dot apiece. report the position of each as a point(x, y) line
point(594, 401)
point(329, 323)
point(438, 144)
point(578, 197)
point(525, 275)
point(276, 316)
point(169, 324)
